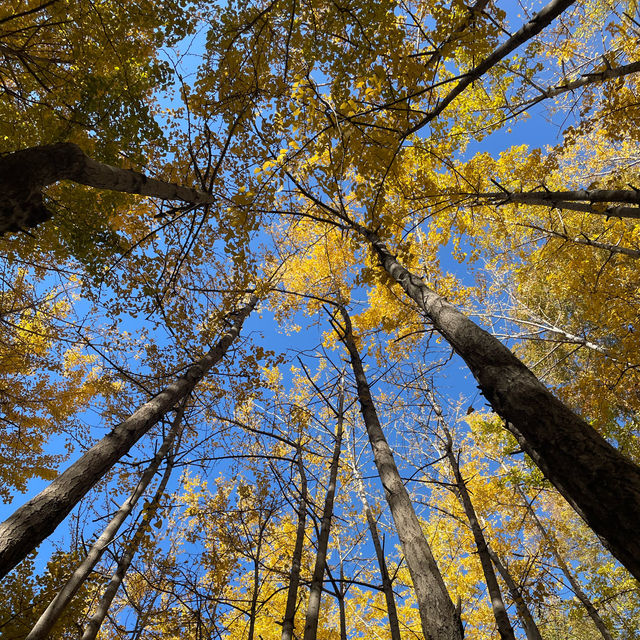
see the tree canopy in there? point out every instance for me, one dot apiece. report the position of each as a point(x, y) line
point(318, 319)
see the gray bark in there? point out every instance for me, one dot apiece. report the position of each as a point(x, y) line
point(296, 561)
point(594, 77)
point(51, 614)
point(534, 26)
point(580, 200)
point(257, 556)
point(495, 595)
point(25, 173)
point(438, 615)
point(628, 196)
point(387, 586)
point(95, 621)
point(599, 482)
point(317, 579)
point(528, 623)
point(30, 524)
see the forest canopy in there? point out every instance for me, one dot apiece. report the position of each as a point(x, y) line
point(318, 319)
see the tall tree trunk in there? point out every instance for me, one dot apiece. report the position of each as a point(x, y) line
point(342, 608)
point(571, 199)
point(96, 620)
point(296, 560)
point(568, 574)
point(600, 483)
point(30, 524)
point(51, 614)
point(438, 615)
point(317, 579)
point(528, 623)
point(25, 173)
point(495, 595)
point(387, 586)
point(253, 608)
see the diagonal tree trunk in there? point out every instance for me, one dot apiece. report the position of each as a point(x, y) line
point(533, 27)
point(51, 614)
point(30, 524)
point(495, 595)
point(438, 615)
point(96, 620)
point(315, 591)
point(600, 483)
point(296, 560)
point(387, 586)
point(25, 173)
point(530, 627)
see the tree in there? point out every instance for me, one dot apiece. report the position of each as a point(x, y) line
point(324, 155)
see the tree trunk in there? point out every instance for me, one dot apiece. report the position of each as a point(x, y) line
point(49, 617)
point(531, 28)
point(342, 608)
point(30, 524)
point(96, 620)
point(253, 609)
point(600, 483)
point(438, 616)
point(568, 574)
point(387, 586)
point(495, 595)
point(315, 590)
point(296, 560)
point(25, 173)
point(530, 627)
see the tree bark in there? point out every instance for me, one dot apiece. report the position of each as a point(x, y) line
point(255, 594)
point(599, 482)
point(387, 586)
point(495, 595)
point(96, 620)
point(296, 561)
point(315, 590)
point(594, 77)
point(568, 574)
point(51, 614)
point(25, 173)
point(30, 524)
point(438, 615)
point(528, 623)
point(534, 26)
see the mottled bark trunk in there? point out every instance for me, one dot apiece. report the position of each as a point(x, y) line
point(438, 615)
point(315, 589)
point(568, 574)
point(25, 173)
point(29, 525)
point(524, 614)
point(51, 614)
point(609, 211)
point(387, 586)
point(96, 620)
point(600, 483)
point(296, 561)
point(550, 198)
point(495, 595)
